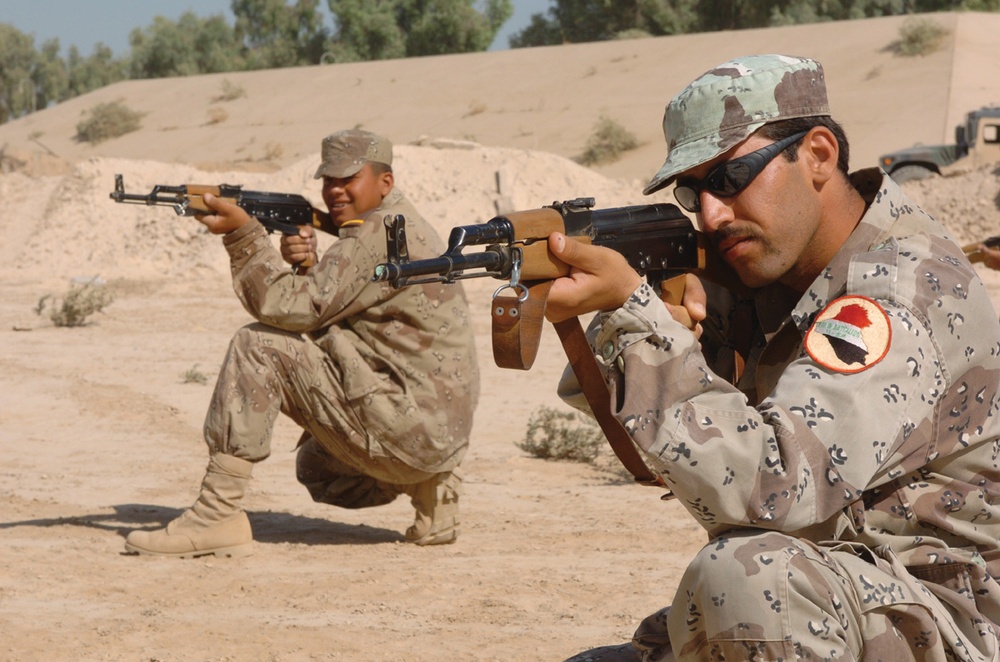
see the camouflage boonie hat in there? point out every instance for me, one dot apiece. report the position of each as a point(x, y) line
point(345, 152)
point(723, 106)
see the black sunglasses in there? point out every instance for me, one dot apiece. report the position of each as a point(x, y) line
point(729, 178)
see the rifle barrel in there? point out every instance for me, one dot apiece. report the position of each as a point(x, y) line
point(445, 268)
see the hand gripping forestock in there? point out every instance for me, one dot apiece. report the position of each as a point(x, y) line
point(972, 250)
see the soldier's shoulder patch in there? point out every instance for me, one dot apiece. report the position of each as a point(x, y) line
point(849, 335)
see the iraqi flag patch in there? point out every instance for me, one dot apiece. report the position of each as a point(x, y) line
point(849, 335)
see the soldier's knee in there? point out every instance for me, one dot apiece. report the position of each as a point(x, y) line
point(751, 553)
point(331, 482)
point(730, 564)
point(250, 336)
point(768, 592)
point(351, 492)
point(309, 461)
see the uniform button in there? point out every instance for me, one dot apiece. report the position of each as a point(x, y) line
point(608, 350)
point(621, 363)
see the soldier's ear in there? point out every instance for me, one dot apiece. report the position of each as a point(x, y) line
point(386, 181)
point(819, 153)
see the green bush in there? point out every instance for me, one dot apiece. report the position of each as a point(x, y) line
point(76, 306)
point(108, 120)
point(919, 36)
point(608, 142)
point(194, 376)
point(562, 435)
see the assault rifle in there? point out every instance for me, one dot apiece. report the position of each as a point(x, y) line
point(657, 240)
point(972, 250)
point(277, 212)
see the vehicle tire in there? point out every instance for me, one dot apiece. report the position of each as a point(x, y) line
point(910, 173)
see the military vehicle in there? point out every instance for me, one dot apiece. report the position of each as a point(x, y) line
point(977, 142)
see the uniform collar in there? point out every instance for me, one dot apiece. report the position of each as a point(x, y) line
point(882, 198)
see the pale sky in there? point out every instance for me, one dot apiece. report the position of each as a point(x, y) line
point(83, 23)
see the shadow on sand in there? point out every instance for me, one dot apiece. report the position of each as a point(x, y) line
point(268, 526)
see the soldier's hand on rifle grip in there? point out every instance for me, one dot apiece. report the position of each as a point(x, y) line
point(301, 248)
point(991, 256)
point(599, 279)
point(686, 301)
point(227, 217)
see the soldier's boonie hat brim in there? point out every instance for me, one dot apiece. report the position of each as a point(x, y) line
point(344, 153)
point(725, 105)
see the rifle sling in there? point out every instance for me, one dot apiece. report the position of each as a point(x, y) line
point(517, 325)
point(588, 373)
point(517, 330)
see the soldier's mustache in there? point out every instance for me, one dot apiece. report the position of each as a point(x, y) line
point(731, 232)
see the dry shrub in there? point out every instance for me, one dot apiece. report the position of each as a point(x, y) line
point(476, 108)
point(217, 115)
point(194, 376)
point(230, 91)
point(919, 36)
point(108, 120)
point(273, 151)
point(75, 306)
point(562, 435)
point(608, 142)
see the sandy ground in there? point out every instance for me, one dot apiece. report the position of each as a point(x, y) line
point(100, 433)
point(100, 436)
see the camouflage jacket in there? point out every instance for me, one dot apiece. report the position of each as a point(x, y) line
point(867, 411)
point(381, 341)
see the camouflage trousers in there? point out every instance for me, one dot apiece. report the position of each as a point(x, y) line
point(268, 372)
point(768, 596)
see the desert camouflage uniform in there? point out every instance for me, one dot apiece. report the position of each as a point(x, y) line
point(383, 381)
point(851, 515)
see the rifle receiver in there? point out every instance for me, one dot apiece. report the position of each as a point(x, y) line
point(453, 265)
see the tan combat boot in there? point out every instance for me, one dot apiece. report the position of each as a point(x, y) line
point(436, 502)
point(215, 524)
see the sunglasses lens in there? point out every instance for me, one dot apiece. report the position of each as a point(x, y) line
point(687, 197)
point(730, 179)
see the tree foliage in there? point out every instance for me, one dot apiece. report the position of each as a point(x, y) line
point(274, 34)
point(572, 21)
point(188, 46)
point(95, 71)
point(366, 30)
point(385, 29)
point(18, 60)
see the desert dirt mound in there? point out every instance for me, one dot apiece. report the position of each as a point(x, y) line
point(76, 227)
point(968, 203)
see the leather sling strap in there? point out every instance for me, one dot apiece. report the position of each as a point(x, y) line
point(517, 329)
point(517, 324)
point(588, 373)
